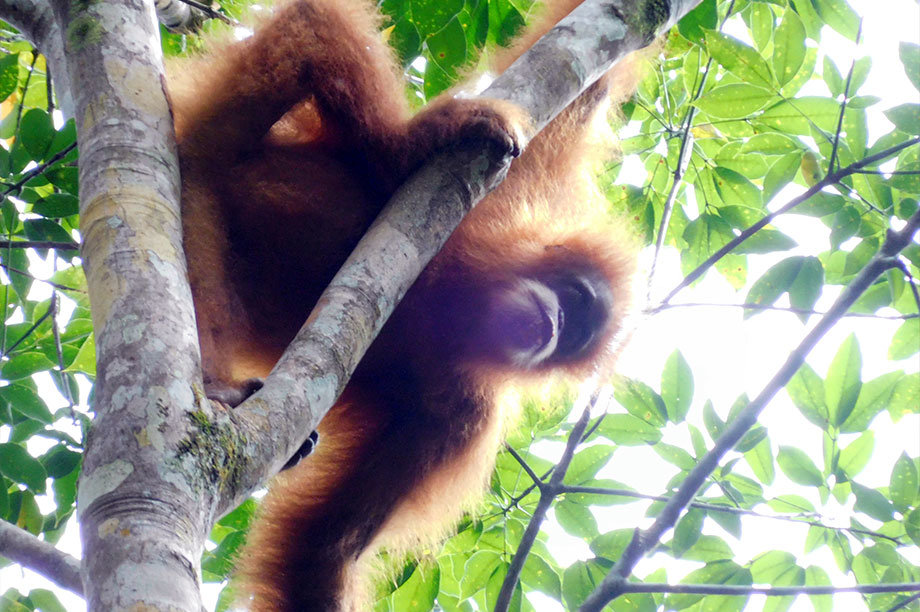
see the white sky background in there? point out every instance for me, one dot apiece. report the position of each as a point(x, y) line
point(727, 357)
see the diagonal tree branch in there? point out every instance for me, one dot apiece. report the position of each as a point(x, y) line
point(24, 548)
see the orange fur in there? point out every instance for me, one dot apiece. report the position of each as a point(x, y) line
point(291, 142)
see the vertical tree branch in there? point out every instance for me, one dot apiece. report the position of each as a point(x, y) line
point(144, 499)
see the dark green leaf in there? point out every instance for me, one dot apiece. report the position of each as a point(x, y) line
point(703, 16)
point(57, 205)
point(19, 466)
point(36, 131)
point(25, 400)
point(22, 365)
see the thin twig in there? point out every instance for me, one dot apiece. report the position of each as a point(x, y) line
point(747, 306)
point(39, 244)
point(41, 280)
point(742, 590)
point(547, 496)
point(803, 519)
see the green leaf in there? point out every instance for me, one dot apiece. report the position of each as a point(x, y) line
point(418, 593)
point(25, 364)
point(781, 174)
point(25, 400)
point(703, 16)
point(709, 548)
point(46, 229)
point(9, 75)
point(905, 482)
point(739, 59)
point(641, 400)
point(477, 569)
point(57, 205)
point(816, 576)
point(675, 455)
point(734, 101)
point(760, 458)
point(872, 503)
point(540, 575)
point(860, 74)
point(856, 455)
point(576, 519)
point(839, 15)
point(736, 189)
point(832, 77)
point(761, 24)
point(579, 580)
point(798, 115)
point(46, 601)
point(807, 392)
point(841, 388)
point(587, 462)
point(906, 117)
point(677, 387)
point(85, 360)
point(19, 466)
point(798, 467)
point(788, 47)
point(766, 241)
point(906, 340)
point(820, 205)
point(60, 461)
point(910, 57)
point(770, 144)
point(905, 398)
point(447, 47)
point(687, 531)
point(801, 277)
point(874, 396)
point(36, 131)
point(791, 504)
point(628, 430)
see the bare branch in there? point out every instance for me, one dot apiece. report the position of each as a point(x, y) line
point(24, 548)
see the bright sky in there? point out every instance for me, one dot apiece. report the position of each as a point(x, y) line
point(727, 357)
